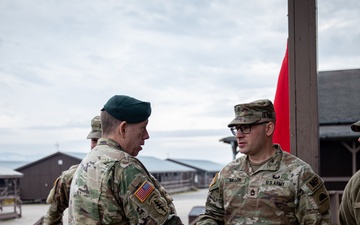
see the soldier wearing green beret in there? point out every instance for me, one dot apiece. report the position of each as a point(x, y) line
point(349, 210)
point(111, 186)
point(266, 185)
point(58, 197)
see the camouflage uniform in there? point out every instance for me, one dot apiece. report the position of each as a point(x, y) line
point(112, 187)
point(349, 211)
point(59, 197)
point(285, 190)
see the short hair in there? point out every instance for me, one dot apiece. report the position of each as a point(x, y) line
point(108, 123)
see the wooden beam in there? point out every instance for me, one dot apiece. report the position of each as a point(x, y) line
point(304, 126)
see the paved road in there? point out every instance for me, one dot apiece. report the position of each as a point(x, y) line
point(184, 202)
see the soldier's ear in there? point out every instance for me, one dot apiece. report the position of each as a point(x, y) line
point(122, 128)
point(270, 127)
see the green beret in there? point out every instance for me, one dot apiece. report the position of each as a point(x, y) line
point(253, 112)
point(356, 126)
point(127, 109)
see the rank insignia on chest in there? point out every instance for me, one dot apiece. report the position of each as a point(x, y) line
point(144, 191)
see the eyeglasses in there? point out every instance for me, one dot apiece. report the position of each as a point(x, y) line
point(245, 129)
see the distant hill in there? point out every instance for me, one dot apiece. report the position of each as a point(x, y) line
point(10, 156)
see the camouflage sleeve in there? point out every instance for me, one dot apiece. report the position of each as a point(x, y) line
point(350, 203)
point(142, 201)
point(214, 207)
point(55, 211)
point(314, 201)
point(164, 194)
point(58, 198)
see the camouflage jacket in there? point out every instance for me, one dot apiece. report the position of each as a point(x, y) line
point(349, 211)
point(58, 197)
point(285, 190)
point(112, 187)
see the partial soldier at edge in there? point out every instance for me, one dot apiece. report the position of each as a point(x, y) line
point(58, 197)
point(349, 210)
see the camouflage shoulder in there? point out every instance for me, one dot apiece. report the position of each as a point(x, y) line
point(51, 196)
point(315, 188)
point(214, 182)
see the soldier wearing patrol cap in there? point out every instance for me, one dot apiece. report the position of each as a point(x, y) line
point(349, 210)
point(58, 197)
point(111, 186)
point(266, 185)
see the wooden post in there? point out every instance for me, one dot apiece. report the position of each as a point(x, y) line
point(304, 125)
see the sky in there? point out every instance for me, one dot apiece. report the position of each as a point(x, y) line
point(60, 61)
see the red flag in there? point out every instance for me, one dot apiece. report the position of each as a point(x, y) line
point(282, 107)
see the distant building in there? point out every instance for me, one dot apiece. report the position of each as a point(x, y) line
point(10, 203)
point(39, 176)
point(172, 176)
point(205, 170)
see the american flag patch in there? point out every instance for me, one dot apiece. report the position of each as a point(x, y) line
point(144, 191)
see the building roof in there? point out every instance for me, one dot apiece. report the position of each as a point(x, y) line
point(43, 159)
point(9, 173)
point(204, 165)
point(155, 165)
point(338, 96)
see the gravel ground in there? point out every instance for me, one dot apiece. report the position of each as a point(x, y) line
point(184, 203)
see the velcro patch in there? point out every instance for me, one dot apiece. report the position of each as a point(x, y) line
point(322, 197)
point(144, 191)
point(314, 183)
point(214, 180)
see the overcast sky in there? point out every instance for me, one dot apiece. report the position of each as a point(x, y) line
point(60, 61)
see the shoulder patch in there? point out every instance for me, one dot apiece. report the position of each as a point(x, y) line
point(144, 191)
point(214, 180)
point(314, 182)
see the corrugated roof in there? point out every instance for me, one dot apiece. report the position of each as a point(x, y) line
point(342, 132)
point(9, 173)
point(156, 165)
point(204, 165)
point(338, 96)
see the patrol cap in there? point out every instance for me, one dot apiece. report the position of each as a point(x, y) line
point(253, 112)
point(95, 128)
point(356, 126)
point(127, 109)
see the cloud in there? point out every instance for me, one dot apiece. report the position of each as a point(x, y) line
point(193, 60)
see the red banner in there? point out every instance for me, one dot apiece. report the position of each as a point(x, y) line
point(282, 107)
